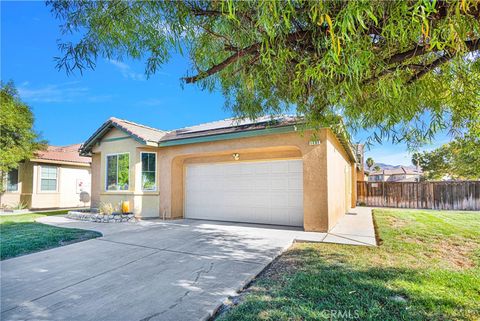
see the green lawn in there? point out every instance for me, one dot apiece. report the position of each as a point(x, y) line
point(426, 268)
point(20, 234)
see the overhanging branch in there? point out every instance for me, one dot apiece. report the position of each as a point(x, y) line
point(437, 62)
point(295, 36)
point(213, 70)
point(471, 45)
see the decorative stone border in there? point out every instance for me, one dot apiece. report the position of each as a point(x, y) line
point(100, 218)
point(10, 211)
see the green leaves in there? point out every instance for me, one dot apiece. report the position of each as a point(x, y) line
point(384, 66)
point(458, 159)
point(18, 141)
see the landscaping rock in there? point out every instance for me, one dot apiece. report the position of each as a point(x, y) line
point(100, 218)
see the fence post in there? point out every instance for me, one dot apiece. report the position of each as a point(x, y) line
point(383, 193)
point(417, 185)
point(432, 186)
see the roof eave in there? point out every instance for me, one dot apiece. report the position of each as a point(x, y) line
point(86, 148)
point(228, 136)
point(53, 161)
point(345, 141)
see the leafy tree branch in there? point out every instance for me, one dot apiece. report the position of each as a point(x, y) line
point(399, 69)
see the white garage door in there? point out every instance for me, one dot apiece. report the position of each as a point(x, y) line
point(255, 192)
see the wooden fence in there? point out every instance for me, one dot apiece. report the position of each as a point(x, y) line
point(455, 195)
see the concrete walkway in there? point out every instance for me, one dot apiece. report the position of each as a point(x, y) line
point(355, 228)
point(151, 270)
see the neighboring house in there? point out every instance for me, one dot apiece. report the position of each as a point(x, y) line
point(256, 172)
point(400, 174)
point(53, 179)
point(359, 150)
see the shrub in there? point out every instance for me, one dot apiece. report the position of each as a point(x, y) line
point(106, 208)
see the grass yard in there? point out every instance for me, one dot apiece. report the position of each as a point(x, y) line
point(20, 234)
point(426, 268)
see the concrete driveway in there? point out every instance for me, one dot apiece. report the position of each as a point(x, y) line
point(152, 270)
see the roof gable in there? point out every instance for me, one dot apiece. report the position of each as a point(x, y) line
point(143, 134)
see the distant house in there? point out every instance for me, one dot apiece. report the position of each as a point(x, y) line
point(359, 150)
point(400, 174)
point(53, 179)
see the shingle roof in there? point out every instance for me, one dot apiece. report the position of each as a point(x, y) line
point(68, 153)
point(229, 125)
point(142, 132)
point(396, 171)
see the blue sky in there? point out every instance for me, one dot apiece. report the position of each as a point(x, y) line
point(68, 109)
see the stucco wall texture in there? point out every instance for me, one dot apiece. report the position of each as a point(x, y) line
point(328, 172)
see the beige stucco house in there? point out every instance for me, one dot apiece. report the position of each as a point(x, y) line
point(53, 179)
point(269, 171)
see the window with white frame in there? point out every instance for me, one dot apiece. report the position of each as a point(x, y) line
point(48, 178)
point(117, 172)
point(12, 180)
point(149, 171)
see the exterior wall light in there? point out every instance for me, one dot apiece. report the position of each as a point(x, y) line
point(236, 156)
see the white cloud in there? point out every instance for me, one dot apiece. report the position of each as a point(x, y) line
point(58, 93)
point(126, 71)
point(52, 93)
point(150, 102)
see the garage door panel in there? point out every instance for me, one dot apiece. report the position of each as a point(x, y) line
point(261, 184)
point(295, 167)
point(279, 167)
point(279, 183)
point(261, 168)
point(294, 215)
point(280, 214)
point(295, 199)
point(295, 183)
point(256, 192)
point(279, 199)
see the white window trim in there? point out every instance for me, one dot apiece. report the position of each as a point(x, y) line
point(141, 172)
point(106, 174)
point(39, 184)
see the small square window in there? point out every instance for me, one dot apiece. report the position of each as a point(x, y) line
point(48, 178)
